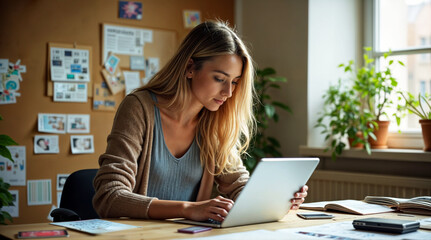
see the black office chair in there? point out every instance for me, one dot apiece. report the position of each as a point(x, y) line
point(76, 199)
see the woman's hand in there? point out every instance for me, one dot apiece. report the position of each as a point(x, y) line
point(216, 208)
point(299, 197)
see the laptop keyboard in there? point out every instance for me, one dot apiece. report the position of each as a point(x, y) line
point(212, 221)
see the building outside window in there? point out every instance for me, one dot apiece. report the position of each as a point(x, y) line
point(404, 27)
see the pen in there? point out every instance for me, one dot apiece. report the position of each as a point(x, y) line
point(405, 215)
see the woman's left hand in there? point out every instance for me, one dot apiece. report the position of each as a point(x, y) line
point(299, 197)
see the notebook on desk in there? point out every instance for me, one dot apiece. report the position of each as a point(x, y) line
point(266, 196)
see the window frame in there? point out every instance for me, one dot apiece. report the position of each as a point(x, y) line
point(408, 138)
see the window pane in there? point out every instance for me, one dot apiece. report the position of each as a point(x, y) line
point(404, 23)
point(414, 77)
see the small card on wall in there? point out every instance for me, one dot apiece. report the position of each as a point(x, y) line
point(132, 80)
point(130, 10)
point(52, 123)
point(14, 173)
point(78, 123)
point(82, 144)
point(14, 209)
point(61, 180)
point(70, 92)
point(103, 100)
point(191, 18)
point(39, 192)
point(46, 144)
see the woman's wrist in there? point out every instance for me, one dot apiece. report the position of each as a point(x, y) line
point(185, 206)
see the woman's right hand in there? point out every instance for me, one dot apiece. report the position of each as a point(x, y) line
point(216, 208)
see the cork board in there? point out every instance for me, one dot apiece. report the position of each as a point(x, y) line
point(26, 37)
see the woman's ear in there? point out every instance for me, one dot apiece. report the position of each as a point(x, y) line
point(189, 69)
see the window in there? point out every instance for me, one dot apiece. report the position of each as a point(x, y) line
point(404, 27)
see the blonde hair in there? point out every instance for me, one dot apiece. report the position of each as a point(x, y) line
point(224, 135)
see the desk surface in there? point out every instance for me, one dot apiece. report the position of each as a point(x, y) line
point(152, 229)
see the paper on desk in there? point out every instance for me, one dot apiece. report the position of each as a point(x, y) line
point(95, 226)
point(346, 231)
point(258, 235)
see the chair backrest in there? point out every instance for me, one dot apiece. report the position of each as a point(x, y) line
point(78, 193)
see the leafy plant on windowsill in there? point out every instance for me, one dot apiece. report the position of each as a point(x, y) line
point(343, 117)
point(375, 87)
point(265, 110)
point(6, 198)
point(420, 106)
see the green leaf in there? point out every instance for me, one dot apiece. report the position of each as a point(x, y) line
point(269, 110)
point(5, 140)
point(274, 141)
point(282, 105)
point(275, 117)
point(401, 63)
point(266, 72)
point(259, 152)
point(4, 152)
point(277, 79)
point(273, 85)
point(6, 216)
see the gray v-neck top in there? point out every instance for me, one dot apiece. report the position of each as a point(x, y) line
point(173, 178)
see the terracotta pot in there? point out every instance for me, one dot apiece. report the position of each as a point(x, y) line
point(357, 145)
point(381, 134)
point(426, 133)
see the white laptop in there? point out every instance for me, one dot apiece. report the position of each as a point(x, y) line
point(267, 194)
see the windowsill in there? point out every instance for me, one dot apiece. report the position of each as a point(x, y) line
point(392, 154)
point(395, 162)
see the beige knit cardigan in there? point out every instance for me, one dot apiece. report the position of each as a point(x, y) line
point(122, 180)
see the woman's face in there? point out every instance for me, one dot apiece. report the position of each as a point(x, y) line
point(215, 82)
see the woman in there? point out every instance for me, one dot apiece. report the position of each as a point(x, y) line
point(182, 131)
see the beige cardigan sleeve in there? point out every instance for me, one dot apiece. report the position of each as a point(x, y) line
point(125, 163)
point(231, 184)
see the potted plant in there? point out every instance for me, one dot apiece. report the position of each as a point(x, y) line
point(265, 111)
point(421, 107)
point(375, 89)
point(6, 198)
point(343, 117)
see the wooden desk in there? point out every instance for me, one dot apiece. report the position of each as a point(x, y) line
point(152, 229)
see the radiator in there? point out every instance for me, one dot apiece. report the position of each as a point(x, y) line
point(334, 185)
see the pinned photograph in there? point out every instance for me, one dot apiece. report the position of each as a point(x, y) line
point(191, 18)
point(52, 123)
point(112, 63)
point(46, 144)
point(82, 144)
point(61, 180)
point(130, 10)
point(78, 123)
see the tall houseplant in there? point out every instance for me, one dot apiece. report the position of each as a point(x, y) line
point(421, 107)
point(265, 110)
point(6, 198)
point(375, 89)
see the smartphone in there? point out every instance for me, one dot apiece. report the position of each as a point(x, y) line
point(194, 229)
point(314, 215)
point(43, 234)
point(386, 225)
